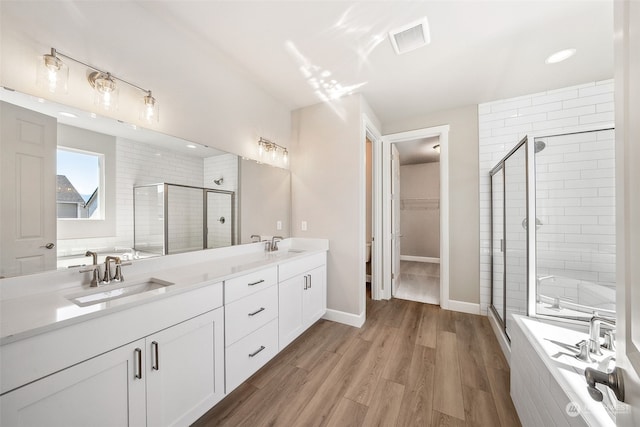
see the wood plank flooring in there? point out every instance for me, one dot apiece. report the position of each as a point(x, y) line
point(411, 364)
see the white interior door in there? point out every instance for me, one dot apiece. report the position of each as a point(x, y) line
point(396, 236)
point(627, 96)
point(28, 142)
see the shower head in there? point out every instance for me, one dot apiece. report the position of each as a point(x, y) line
point(539, 146)
point(218, 181)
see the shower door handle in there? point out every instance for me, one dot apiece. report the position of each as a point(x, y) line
point(501, 245)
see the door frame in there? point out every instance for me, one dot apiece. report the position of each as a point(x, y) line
point(375, 137)
point(383, 172)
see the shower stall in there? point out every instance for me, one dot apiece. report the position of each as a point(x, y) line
point(171, 218)
point(553, 228)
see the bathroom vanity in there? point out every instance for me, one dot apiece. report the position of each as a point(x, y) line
point(163, 356)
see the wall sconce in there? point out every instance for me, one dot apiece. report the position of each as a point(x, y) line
point(53, 73)
point(266, 146)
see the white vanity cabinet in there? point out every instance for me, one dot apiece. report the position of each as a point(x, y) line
point(251, 324)
point(302, 296)
point(166, 377)
point(169, 378)
point(185, 370)
point(103, 391)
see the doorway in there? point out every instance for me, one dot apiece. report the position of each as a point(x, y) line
point(415, 200)
point(390, 202)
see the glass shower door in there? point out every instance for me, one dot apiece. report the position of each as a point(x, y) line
point(515, 202)
point(497, 243)
point(220, 219)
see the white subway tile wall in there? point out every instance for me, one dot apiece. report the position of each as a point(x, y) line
point(224, 166)
point(503, 123)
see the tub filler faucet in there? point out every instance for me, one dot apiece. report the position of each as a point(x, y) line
point(594, 333)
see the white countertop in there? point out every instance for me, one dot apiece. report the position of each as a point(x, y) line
point(31, 314)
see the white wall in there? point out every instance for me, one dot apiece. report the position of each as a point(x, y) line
point(420, 209)
point(203, 97)
point(463, 195)
point(505, 122)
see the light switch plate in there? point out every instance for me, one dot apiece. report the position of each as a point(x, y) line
point(303, 226)
point(279, 225)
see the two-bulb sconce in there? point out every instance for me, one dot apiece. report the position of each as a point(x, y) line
point(267, 147)
point(53, 74)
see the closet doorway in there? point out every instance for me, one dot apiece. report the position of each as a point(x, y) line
point(409, 259)
point(415, 213)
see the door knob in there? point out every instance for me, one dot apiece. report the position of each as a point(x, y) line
point(612, 379)
point(49, 246)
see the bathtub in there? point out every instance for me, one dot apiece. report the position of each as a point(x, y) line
point(548, 387)
point(574, 298)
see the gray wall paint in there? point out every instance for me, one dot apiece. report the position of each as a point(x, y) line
point(327, 181)
point(419, 211)
point(464, 205)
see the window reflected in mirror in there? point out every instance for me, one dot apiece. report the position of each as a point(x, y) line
point(78, 178)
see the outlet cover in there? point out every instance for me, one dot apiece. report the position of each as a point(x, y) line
point(303, 226)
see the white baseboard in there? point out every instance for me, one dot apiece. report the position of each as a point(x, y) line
point(464, 307)
point(500, 336)
point(419, 258)
point(356, 320)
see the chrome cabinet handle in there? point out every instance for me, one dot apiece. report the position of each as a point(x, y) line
point(305, 282)
point(257, 351)
point(257, 311)
point(255, 283)
point(156, 361)
point(309, 281)
point(138, 353)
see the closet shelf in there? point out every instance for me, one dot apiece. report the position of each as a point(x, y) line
point(419, 204)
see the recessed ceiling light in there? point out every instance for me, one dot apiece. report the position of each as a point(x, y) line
point(191, 146)
point(560, 56)
point(65, 114)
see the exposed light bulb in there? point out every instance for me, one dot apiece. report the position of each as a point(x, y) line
point(285, 156)
point(53, 74)
point(260, 148)
point(149, 112)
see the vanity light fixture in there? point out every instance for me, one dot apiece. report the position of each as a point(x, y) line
point(266, 146)
point(54, 74)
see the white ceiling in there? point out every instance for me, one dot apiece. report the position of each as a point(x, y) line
point(480, 50)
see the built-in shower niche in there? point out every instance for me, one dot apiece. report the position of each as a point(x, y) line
point(172, 218)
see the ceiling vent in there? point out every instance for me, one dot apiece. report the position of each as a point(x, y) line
point(410, 36)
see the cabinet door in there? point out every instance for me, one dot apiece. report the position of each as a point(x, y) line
point(314, 300)
point(185, 369)
point(107, 390)
point(290, 315)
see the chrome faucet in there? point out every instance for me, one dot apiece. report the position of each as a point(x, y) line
point(274, 243)
point(95, 268)
point(107, 269)
point(254, 236)
point(594, 332)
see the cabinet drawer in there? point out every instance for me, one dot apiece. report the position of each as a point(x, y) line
point(245, 315)
point(248, 284)
point(301, 266)
point(249, 354)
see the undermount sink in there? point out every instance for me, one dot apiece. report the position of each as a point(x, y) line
point(113, 291)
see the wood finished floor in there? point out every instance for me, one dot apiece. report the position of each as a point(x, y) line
point(411, 364)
